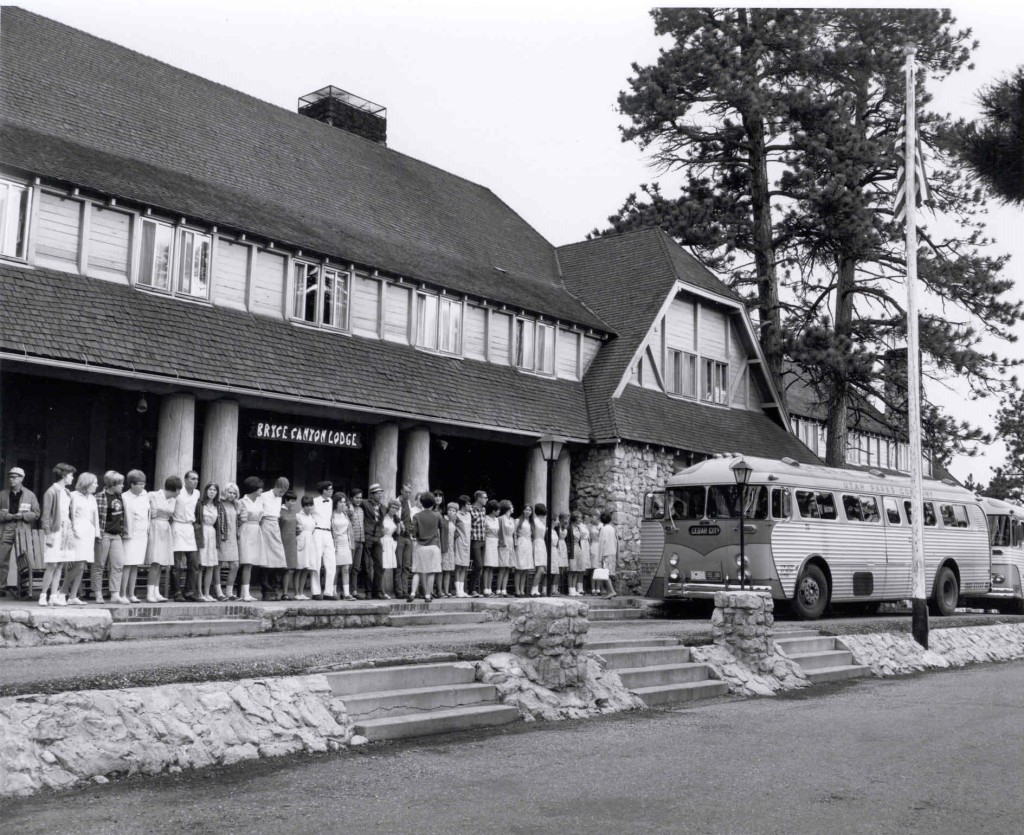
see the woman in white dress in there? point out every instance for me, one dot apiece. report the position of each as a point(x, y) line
point(136, 531)
point(607, 551)
point(85, 523)
point(305, 549)
point(491, 527)
point(463, 534)
point(160, 544)
point(341, 532)
point(524, 550)
point(389, 545)
point(250, 545)
point(559, 553)
point(56, 524)
point(227, 545)
point(208, 514)
point(579, 537)
point(540, 550)
point(506, 545)
point(276, 560)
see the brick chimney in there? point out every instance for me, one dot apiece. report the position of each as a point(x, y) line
point(341, 109)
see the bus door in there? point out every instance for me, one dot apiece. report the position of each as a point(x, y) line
point(864, 554)
point(652, 545)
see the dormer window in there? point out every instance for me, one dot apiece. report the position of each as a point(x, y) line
point(438, 323)
point(188, 250)
point(14, 203)
point(321, 295)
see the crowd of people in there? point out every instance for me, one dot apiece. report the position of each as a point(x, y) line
point(218, 542)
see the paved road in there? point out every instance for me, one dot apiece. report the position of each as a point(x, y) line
point(937, 753)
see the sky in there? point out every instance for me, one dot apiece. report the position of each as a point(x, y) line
point(517, 96)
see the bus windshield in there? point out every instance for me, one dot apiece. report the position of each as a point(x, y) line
point(724, 502)
point(685, 502)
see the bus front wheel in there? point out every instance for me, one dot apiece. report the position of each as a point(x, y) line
point(947, 592)
point(811, 594)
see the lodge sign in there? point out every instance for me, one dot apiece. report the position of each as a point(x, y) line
point(305, 435)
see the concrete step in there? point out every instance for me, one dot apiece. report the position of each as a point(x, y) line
point(840, 673)
point(616, 614)
point(413, 676)
point(818, 660)
point(646, 656)
point(631, 643)
point(796, 633)
point(666, 694)
point(427, 618)
point(137, 630)
point(436, 722)
point(638, 677)
point(792, 646)
point(398, 702)
point(142, 612)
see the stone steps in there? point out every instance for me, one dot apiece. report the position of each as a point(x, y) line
point(842, 673)
point(642, 655)
point(630, 643)
point(616, 614)
point(638, 677)
point(668, 694)
point(817, 643)
point(822, 659)
point(659, 671)
point(819, 660)
point(409, 677)
point(143, 612)
point(436, 722)
point(395, 702)
point(196, 628)
point(426, 618)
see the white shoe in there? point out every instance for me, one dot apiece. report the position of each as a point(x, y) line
point(75, 601)
point(132, 599)
point(58, 599)
point(160, 598)
point(248, 599)
point(42, 599)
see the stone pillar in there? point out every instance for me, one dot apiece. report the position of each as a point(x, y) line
point(536, 478)
point(220, 443)
point(561, 480)
point(416, 461)
point(384, 458)
point(175, 437)
point(743, 623)
point(550, 636)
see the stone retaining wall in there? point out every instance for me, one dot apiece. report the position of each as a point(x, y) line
point(59, 740)
point(45, 627)
point(893, 654)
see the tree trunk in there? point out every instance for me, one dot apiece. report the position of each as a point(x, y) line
point(839, 394)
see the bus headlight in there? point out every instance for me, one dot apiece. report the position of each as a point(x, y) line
point(673, 576)
point(998, 579)
point(673, 559)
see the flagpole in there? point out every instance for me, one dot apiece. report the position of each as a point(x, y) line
point(919, 625)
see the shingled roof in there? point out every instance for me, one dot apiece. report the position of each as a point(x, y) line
point(56, 316)
point(140, 130)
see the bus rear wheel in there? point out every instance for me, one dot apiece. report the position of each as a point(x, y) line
point(811, 594)
point(947, 592)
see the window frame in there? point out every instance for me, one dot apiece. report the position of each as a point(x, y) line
point(22, 225)
point(544, 336)
point(677, 359)
point(175, 253)
point(453, 305)
point(714, 371)
point(321, 269)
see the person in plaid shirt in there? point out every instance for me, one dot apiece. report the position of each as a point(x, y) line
point(477, 535)
point(362, 579)
point(109, 547)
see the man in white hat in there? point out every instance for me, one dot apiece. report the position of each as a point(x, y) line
point(19, 508)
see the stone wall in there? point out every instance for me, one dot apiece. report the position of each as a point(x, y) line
point(893, 654)
point(616, 478)
point(35, 626)
point(59, 740)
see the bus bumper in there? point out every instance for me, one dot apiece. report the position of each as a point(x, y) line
point(707, 591)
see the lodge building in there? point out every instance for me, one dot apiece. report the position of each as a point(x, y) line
point(193, 278)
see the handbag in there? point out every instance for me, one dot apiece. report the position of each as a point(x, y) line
point(601, 574)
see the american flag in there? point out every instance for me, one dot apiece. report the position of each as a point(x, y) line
point(920, 178)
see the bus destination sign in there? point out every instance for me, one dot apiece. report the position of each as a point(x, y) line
point(705, 530)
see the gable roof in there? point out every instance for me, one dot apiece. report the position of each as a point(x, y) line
point(67, 320)
point(138, 129)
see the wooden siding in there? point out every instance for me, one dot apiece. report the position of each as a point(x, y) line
point(396, 313)
point(366, 306)
point(679, 326)
point(590, 348)
point(501, 324)
point(58, 234)
point(109, 234)
point(268, 284)
point(713, 339)
point(474, 343)
point(567, 355)
point(230, 274)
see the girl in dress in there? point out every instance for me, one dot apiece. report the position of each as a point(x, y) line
point(607, 551)
point(448, 557)
point(208, 514)
point(540, 551)
point(426, 546)
point(506, 545)
point(136, 531)
point(288, 531)
point(160, 545)
point(250, 545)
point(463, 535)
point(389, 545)
point(227, 545)
point(524, 550)
point(595, 530)
point(341, 531)
point(560, 553)
point(85, 526)
point(305, 550)
point(491, 526)
point(56, 522)
point(275, 560)
point(579, 539)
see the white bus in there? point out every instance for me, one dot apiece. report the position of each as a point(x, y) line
point(815, 535)
point(1006, 535)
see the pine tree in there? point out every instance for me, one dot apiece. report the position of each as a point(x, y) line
point(994, 147)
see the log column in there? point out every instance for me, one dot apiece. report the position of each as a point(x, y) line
point(175, 437)
point(220, 443)
point(416, 461)
point(536, 478)
point(560, 485)
point(384, 458)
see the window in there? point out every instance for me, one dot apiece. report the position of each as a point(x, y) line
point(869, 509)
point(14, 199)
point(781, 503)
point(654, 506)
point(193, 263)
point(953, 515)
point(525, 344)
point(929, 513)
point(724, 502)
point(545, 349)
point(682, 373)
point(716, 381)
point(892, 511)
point(816, 505)
point(451, 326)
point(426, 321)
point(155, 255)
point(686, 502)
point(320, 295)
point(851, 504)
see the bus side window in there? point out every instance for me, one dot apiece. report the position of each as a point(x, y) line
point(946, 512)
point(827, 503)
point(1018, 533)
point(851, 504)
point(807, 505)
point(869, 509)
point(654, 506)
point(960, 514)
point(781, 503)
point(892, 511)
point(929, 515)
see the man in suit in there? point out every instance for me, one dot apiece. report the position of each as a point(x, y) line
point(403, 573)
point(19, 508)
point(373, 531)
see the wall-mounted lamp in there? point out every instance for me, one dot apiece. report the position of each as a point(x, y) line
point(142, 406)
point(443, 444)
